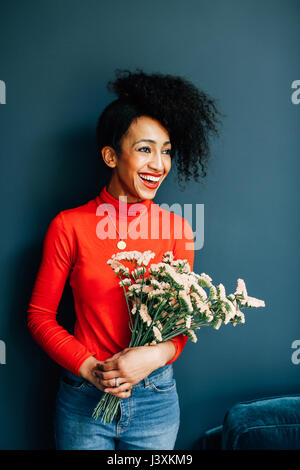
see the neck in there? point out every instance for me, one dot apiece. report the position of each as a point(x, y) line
point(121, 208)
point(117, 191)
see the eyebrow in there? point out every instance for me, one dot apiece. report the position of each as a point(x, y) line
point(150, 140)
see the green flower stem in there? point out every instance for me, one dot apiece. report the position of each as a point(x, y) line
point(183, 330)
point(161, 306)
point(172, 321)
point(109, 406)
point(130, 320)
point(132, 342)
point(136, 321)
point(141, 329)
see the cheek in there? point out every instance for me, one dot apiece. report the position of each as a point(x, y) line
point(168, 165)
point(134, 164)
point(128, 167)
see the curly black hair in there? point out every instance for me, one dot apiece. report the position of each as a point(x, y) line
point(187, 113)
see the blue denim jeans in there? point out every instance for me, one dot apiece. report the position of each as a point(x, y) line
point(148, 419)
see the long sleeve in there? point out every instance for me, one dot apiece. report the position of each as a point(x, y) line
point(59, 251)
point(183, 249)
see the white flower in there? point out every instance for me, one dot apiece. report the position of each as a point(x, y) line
point(186, 299)
point(202, 306)
point(125, 282)
point(117, 266)
point(157, 333)
point(200, 290)
point(203, 278)
point(192, 335)
point(145, 315)
point(138, 272)
point(135, 287)
point(206, 277)
point(181, 265)
point(180, 321)
point(232, 307)
point(222, 293)
point(218, 324)
point(227, 318)
point(241, 290)
point(241, 316)
point(213, 292)
point(209, 317)
point(168, 256)
point(188, 321)
point(253, 302)
point(145, 257)
point(176, 277)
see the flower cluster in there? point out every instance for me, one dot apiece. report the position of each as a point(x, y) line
point(169, 300)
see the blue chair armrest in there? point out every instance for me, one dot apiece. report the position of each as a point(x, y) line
point(266, 423)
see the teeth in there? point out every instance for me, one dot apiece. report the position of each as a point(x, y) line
point(150, 178)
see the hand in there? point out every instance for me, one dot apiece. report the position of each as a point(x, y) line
point(130, 365)
point(87, 371)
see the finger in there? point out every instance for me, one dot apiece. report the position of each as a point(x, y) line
point(112, 358)
point(121, 388)
point(123, 394)
point(107, 375)
point(111, 383)
point(106, 366)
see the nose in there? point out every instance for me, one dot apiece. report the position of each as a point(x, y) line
point(156, 163)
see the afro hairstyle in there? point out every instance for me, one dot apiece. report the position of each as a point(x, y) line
point(188, 114)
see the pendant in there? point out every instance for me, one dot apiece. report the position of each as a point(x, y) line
point(121, 245)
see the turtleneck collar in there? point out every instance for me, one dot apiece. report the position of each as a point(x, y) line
point(122, 208)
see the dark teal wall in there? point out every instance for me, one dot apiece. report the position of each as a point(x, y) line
point(55, 59)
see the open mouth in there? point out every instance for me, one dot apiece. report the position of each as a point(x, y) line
point(150, 181)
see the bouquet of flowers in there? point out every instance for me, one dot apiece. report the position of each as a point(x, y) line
point(169, 300)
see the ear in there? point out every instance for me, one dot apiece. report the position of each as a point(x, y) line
point(109, 156)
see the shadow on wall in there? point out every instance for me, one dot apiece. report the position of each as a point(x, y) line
point(67, 178)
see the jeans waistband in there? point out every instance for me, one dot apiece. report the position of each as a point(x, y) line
point(158, 373)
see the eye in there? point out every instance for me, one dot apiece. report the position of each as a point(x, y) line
point(167, 150)
point(142, 148)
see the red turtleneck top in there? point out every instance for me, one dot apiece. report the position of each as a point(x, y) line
point(75, 248)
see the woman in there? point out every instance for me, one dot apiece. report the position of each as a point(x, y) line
point(155, 119)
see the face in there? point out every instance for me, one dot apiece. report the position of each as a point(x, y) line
point(145, 149)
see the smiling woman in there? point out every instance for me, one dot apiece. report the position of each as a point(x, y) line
point(187, 117)
point(156, 119)
point(145, 161)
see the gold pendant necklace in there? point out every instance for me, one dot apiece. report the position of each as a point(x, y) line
point(121, 243)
